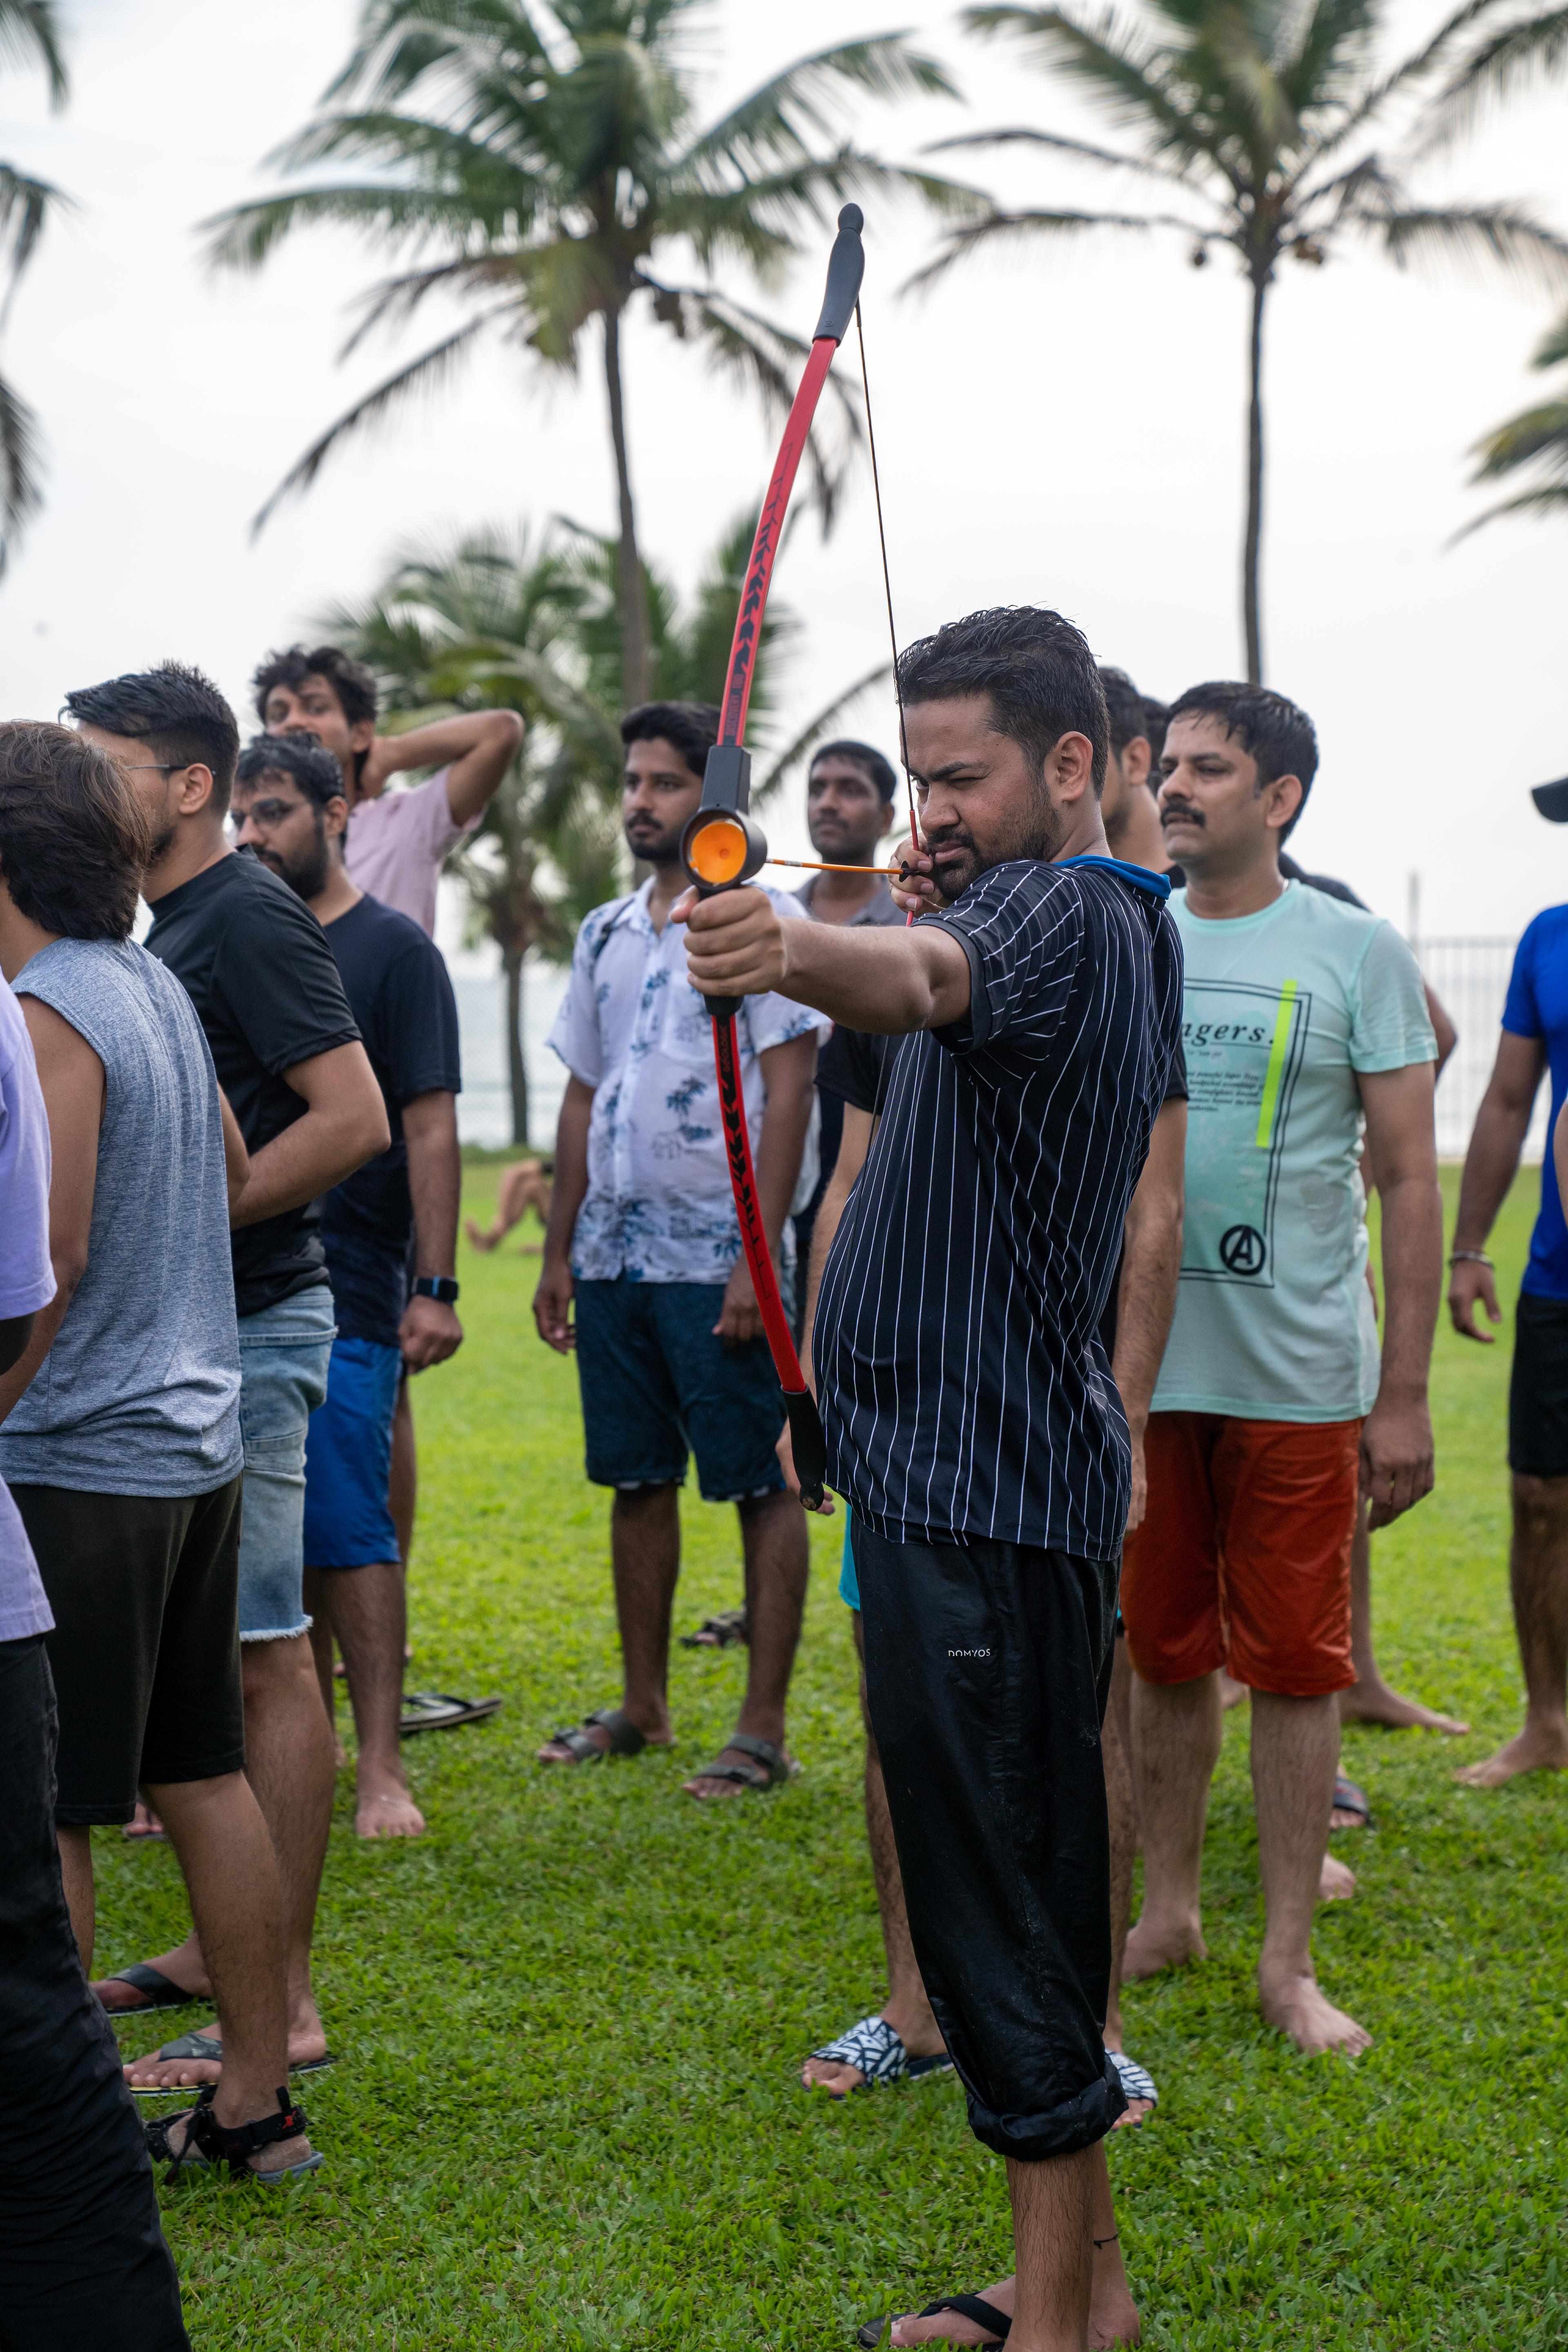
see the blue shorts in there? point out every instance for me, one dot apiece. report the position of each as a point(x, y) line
point(348, 1459)
point(283, 1354)
point(657, 1383)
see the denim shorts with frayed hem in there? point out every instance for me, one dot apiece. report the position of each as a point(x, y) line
point(656, 1384)
point(283, 1355)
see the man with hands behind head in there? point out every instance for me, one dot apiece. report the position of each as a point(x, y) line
point(288, 1058)
point(970, 1413)
point(289, 806)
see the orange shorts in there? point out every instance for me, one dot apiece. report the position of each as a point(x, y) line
point(1244, 1557)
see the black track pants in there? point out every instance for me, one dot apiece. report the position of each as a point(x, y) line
point(987, 1666)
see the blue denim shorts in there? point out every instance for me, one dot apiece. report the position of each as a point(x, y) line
point(656, 1384)
point(283, 1353)
point(348, 1458)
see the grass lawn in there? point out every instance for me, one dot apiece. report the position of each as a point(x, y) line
point(568, 2022)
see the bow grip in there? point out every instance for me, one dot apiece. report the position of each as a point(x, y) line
point(807, 1444)
point(846, 269)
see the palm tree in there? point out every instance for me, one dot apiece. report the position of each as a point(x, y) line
point(530, 621)
point(1535, 442)
point(543, 165)
point(29, 35)
point(1257, 118)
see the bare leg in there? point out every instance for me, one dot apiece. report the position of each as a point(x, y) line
point(1369, 1698)
point(1538, 1575)
point(322, 1645)
point(1121, 1813)
point(908, 2011)
point(1177, 1730)
point(75, 1841)
point(1295, 1750)
point(1112, 2314)
point(772, 1530)
point(402, 1487)
point(644, 1549)
point(1231, 1692)
point(364, 1608)
point(510, 1202)
point(289, 1764)
point(237, 1900)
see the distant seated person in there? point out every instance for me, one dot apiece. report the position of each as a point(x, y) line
point(524, 1185)
point(396, 842)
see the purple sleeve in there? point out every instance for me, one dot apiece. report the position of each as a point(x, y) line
point(26, 1273)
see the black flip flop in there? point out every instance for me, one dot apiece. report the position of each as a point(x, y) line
point(162, 1992)
point(207, 2045)
point(440, 1711)
point(626, 1739)
point(967, 2306)
point(1349, 1799)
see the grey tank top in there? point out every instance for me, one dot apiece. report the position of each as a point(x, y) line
point(140, 1392)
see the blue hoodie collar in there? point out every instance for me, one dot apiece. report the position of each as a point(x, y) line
point(1157, 884)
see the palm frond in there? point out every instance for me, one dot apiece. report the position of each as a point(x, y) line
point(1411, 71)
point(815, 730)
point(401, 41)
point(1550, 499)
point(1124, 70)
point(777, 122)
point(767, 360)
point(30, 34)
point(1082, 147)
point(423, 374)
point(1530, 50)
point(21, 470)
point(25, 205)
point(1500, 233)
point(1539, 434)
point(1025, 227)
point(244, 236)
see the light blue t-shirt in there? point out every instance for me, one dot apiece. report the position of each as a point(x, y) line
point(140, 1392)
point(1282, 1009)
point(26, 1282)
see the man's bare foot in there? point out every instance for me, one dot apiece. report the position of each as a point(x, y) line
point(1335, 1882)
point(387, 1813)
point(1293, 2003)
point(307, 2045)
point(181, 1967)
point(1371, 1701)
point(1539, 1748)
point(1231, 1692)
point(705, 1787)
point(1156, 1944)
point(921, 2035)
point(144, 1824)
point(479, 1241)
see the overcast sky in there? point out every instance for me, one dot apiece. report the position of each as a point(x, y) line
point(1062, 428)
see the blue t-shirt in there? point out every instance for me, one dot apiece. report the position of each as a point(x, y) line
point(1537, 1007)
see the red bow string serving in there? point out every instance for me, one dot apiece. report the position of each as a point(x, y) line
point(723, 846)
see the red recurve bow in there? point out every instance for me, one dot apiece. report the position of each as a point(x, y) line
point(723, 846)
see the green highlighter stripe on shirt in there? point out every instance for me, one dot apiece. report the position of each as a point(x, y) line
point(1276, 1070)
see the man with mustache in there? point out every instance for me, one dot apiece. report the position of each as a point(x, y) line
point(290, 809)
point(644, 1246)
point(972, 1421)
point(1306, 1032)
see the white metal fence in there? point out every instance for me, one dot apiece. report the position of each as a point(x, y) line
point(1470, 976)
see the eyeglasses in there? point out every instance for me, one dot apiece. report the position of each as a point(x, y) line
point(267, 814)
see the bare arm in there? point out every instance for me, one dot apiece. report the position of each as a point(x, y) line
point(71, 1078)
point(476, 752)
point(789, 1081)
point(15, 1331)
point(1443, 1029)
point(883, 979)
point(344, 1124)
point(429, 1331)
point(553, 1299)
point(1151, 1272)
point(1490, 1165)
point(235, 1158)
point(1396, 1439)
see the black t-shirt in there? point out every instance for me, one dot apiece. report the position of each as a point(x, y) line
point(256, 964)
point(396, 984)
point(972, 1394)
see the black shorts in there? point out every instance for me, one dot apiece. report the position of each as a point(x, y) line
point(145, 1650)
point(988, 1669)
point(1538, 1390)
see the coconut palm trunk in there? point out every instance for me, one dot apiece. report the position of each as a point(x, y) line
point(516, 1058)
point(632, 588)
point(1251, 610)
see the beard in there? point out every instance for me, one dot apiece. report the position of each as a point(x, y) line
point(1036, 832)
point(306, 872)
point(655, 844)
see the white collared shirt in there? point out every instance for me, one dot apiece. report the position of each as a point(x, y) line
point(659, 1206)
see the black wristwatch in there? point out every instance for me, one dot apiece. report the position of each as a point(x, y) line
point(440, 1286)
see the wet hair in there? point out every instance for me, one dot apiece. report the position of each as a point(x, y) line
point(1125, 708)
point(179, 715)
point(1035, 668)
point(350, 680)
point(691, 727)
point(73, 840)
point(302, 755)
point(878, 771)
point(1278, 736)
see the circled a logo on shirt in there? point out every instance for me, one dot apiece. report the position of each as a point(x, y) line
point(1242, 1250)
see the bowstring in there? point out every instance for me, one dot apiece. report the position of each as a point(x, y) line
point(886, 580)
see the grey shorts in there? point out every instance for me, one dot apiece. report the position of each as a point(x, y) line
point(283, 1356)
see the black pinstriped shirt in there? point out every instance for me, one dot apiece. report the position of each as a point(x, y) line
point(964, 1384)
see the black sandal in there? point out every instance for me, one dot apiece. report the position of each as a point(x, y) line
point(626, 1739)
point(162, 1992)
point(777, 1766)
point(967, 2306)
point(207, 2142)
point(731, 1625)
